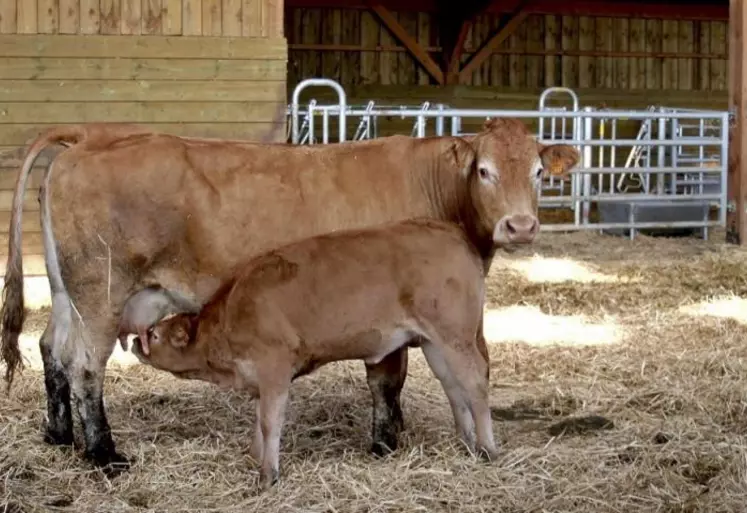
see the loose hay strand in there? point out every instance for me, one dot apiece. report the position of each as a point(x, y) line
point(674, 388)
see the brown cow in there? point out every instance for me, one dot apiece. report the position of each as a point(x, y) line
point(354, 294)
point(148, 208)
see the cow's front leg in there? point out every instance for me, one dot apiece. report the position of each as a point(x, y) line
point(385, 380)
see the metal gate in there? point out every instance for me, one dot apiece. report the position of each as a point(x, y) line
point(670, 172)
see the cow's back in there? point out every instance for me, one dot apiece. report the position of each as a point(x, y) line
point(178, 210)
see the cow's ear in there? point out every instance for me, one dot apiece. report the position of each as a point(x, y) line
point(558, 159)
point(489, 124)
point(463, 155)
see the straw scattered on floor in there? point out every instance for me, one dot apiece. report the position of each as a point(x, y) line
point(618, 384)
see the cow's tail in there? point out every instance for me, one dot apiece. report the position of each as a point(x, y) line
point(13, 312)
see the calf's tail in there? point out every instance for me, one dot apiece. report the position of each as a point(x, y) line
point(12, 313)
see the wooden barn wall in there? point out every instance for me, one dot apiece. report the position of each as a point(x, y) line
point(546, 50)
point(199, 67)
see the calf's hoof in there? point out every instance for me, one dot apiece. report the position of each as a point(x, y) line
point(268, 479)
point(488, 455)
point(110, 462)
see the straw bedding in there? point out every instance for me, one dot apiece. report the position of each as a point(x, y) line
point(647, 414)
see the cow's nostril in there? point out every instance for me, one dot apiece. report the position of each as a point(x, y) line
point(510, 228)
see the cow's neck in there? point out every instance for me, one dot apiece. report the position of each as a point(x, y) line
point(448, 199)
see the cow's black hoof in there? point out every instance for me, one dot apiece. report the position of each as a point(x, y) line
point(385, 447)
point(53, 437)
point(110, 462)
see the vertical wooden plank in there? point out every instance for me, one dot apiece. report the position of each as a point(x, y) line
point(369, 40)
point(486, 24)
point(704, 47)
point(622, 65)
point(637, 43)
point(172, 17)
point(251, 19)
point(192, 17)
point(406, 64)
point(685, 75)
point(586, 65)
point(277, 10)
point(351, 35)
point(517, 61)
point(8, 17)
point(718, 66)
point(473, 40)
point(603, 34)
point(110, 16)
point(131, 14)
point(27, 22)
point(653, 64)
point(535, 29)
point(387, 60)
point(89, 16)
point(552, 43)
point(211, 17)
point(496, 60)
point(48, 16)
point(669, 40)
point(569, 77)
point(312, 34)
point(424, 38)
point(69, 16)
point(330, 34)
point(736, 216)
point(292, 32)
point(231, 14)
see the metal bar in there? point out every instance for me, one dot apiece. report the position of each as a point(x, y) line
point(630, 226)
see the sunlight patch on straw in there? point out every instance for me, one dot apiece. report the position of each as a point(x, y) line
point(530, 325)
point(727, 307)
point(538, 269)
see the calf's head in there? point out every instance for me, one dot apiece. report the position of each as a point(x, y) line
point(504, 176)
point(171, 344)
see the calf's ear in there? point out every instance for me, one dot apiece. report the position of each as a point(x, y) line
point(180, 331)
point(558, 159)
point(462, 155)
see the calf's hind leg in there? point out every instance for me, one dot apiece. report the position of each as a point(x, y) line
point(467, 369)
point(385, 380)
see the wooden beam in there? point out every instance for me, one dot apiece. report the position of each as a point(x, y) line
point(714, 11)
point(456, 52)
point(493, 42)
point(417, 51)
point(324, 47)
point(736, 227)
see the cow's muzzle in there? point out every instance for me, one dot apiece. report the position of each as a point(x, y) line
point(516, 229)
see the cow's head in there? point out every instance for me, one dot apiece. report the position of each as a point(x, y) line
point(505, 175)
point(170, 345)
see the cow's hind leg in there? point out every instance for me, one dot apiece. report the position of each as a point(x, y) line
point(385, 380)
point(89, 350)
point(60, 419)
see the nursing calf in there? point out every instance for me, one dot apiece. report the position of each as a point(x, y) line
point(355, 294)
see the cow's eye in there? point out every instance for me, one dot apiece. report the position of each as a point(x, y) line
point(483, 173)
point(539, 172)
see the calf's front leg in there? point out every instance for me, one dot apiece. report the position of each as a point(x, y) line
point(385, 380)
